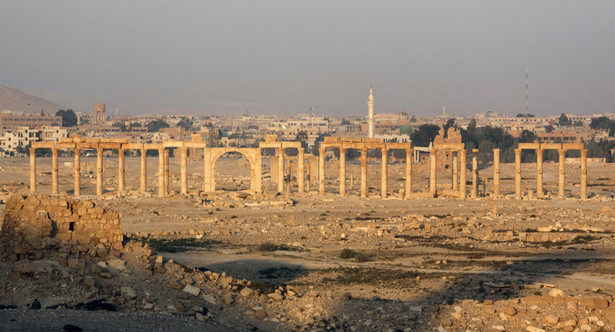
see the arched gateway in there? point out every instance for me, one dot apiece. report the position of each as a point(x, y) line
point(211, 155)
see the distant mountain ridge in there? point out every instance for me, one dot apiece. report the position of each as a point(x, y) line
point(16, 100)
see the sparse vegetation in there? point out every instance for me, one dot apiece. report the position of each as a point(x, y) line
point(351, 254)
point(268, 246)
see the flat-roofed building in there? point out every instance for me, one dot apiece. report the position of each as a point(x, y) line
point(9, 121)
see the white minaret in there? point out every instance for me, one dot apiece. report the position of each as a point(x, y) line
point(370, 114)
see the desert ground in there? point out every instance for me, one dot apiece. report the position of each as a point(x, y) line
point(331, 263)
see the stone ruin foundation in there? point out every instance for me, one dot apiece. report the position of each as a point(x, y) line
point(38, 222)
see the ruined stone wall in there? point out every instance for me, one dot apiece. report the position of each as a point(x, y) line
point(30, 222)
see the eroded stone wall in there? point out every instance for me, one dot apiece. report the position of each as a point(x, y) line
point(32, 222)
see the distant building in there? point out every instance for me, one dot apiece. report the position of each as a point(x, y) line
point(19, 137)
point(100, 114)
point(52, 134)
point(11, 121)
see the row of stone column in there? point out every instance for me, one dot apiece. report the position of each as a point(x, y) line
point(163, 171)
point(300, 169)
point(539, 173)
point(384, 178)
point(459, 172)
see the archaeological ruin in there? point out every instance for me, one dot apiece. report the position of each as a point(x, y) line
point(447, 153)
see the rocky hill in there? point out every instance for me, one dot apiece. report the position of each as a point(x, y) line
point(15, 100)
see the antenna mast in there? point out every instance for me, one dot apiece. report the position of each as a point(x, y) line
point(526, 90)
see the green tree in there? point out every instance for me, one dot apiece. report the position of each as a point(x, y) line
point(302, 136)
point(549, 129)
point(563, 121)
point(527, 137)
point(156, 125)
point(449, 123)
point(69, 118)
point(424, 135)
point(120, 125)
point(185, 123)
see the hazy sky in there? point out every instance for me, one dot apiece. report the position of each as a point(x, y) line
point(430, 50)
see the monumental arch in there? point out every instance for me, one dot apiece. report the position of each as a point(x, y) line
point(451, 144)
point(212, 155)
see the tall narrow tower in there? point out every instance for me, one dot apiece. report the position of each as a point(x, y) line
point(526, 90)
point(370, 114)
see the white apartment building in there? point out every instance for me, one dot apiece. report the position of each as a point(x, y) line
point(22, 136)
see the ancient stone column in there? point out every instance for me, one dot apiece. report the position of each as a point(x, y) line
point(384, 173)
point(408, 173)
point(166, 171)
point(258, 172)
point(432, 172)
point(342, 172)
point(32, 170)
point(301, 171)
point(496, 172)
point(54, 171)
point(161, 172)
point(77, 190)
point(462, 175)
point(455, 171)
point(99, 171)
point(562, 174)
point(289, 176)
point(143, 170)
point(321, 171)
point(274, 169)
point(280, 169)
point(474, 191)
point(584, 174)
point(184, 170)
point(517, 173)
point(208, 181)
point(539, 172)
point(363, 172)
point(122, 171)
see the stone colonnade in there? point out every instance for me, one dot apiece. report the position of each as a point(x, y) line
point(539, 148)
point(210, 156)
point(316, 171)
point(77, 144)
point(280, 147)
point(363, 145)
